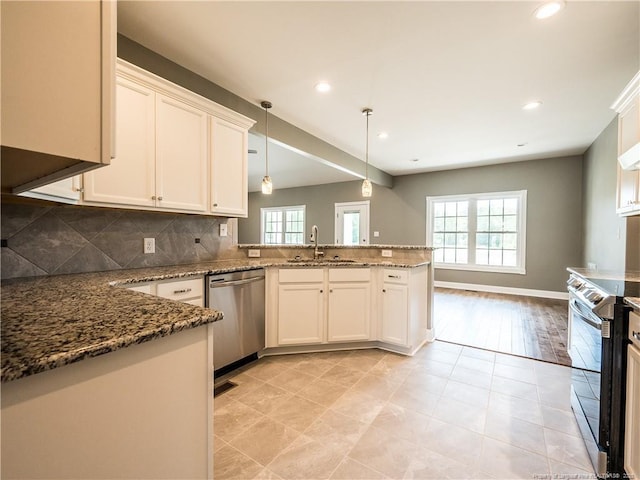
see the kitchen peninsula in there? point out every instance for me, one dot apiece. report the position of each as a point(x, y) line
point(100, 381)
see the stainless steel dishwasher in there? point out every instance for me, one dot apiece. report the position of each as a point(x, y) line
point(239, 336)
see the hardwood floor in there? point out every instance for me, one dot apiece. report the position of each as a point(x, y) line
point(525, 326)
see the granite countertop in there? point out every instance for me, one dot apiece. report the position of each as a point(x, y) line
point(51, 321)
point(631, 276)
point(634, 302)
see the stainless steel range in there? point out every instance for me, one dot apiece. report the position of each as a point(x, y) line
point(597, 344)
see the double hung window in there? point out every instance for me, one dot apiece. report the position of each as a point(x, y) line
point(484, 232)
point(282, 225)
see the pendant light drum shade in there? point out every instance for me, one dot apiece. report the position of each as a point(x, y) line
point(267, 185)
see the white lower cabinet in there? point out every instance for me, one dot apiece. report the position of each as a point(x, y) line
point(632, 414)
point(393, 322)
point(187, 290)
point(301, 314)
point(300, 306)
point(349, 305)
point(320, 307)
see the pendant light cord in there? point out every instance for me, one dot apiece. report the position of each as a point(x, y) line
point(366, 168)
point(367, 113)
point(266, 105)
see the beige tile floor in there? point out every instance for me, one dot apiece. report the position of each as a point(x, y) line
point(448, 412)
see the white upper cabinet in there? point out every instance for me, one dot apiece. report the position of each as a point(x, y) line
point(181, 156)
point(58, 61)
point(229, 174)
point(628, 107)
point(130, 179)
point(176, 151)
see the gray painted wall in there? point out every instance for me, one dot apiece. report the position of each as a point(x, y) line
point(604, 232)
point(554, 217)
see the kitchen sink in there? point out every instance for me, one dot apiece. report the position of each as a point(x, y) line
point(320, 260)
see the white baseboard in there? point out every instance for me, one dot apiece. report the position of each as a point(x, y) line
point(526, 292)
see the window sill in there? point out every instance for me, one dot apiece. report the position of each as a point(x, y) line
point(481, 268)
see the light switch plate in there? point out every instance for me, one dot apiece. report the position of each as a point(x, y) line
point(223, 230)
point(387, 253)
point(254, 253)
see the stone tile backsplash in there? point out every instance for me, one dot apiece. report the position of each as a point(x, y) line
point(46, 239)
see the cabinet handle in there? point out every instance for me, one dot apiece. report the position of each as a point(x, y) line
point(321, 291)
point(384, 290)
point(80, 190)
point(331, 290)
point(215, 204)
point(160, 198)
point(636, 335)
point(153, 197)
point(393, 276)
point(184, 290)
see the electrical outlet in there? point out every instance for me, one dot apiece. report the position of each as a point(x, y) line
point(223, 230)
point(387, 253)
point(149, 245)
point(376, 234)
point(592, 266)
point(253, 253)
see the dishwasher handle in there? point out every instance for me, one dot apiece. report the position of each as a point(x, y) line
point(229, 283)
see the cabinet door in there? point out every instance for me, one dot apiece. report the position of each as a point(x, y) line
point(632, 419)
point(129, 180)
point(395, 313)
point(300, 313)
point(229, 176)
point(64, 191)
point(53, 78)
point(628, 195)
point(181, 156)
point(349, 312)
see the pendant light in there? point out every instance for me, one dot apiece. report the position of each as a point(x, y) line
point(367, 188)
point(267, 186)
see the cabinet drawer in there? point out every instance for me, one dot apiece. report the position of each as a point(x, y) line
point(395, 276)
point(179, 289)
point(349, 274)
point(301, 275)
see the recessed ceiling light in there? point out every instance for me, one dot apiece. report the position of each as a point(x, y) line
point(323, 87)
point(548, 9)
point(531, 105)
point(522, 144)
point(383, 135)
point(414, 160)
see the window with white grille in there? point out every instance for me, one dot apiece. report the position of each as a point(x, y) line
point(282, 225)
point(484, 231)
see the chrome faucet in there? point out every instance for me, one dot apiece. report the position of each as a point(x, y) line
point(314, 238)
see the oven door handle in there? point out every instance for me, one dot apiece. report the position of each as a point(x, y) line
point(576, 310)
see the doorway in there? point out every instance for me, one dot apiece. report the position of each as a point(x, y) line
point(352, 223)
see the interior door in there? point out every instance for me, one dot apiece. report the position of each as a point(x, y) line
point(352, 223)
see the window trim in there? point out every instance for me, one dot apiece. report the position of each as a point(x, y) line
point(283, 209)
point(521, 195)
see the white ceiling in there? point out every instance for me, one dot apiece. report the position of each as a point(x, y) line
point(446, 80)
